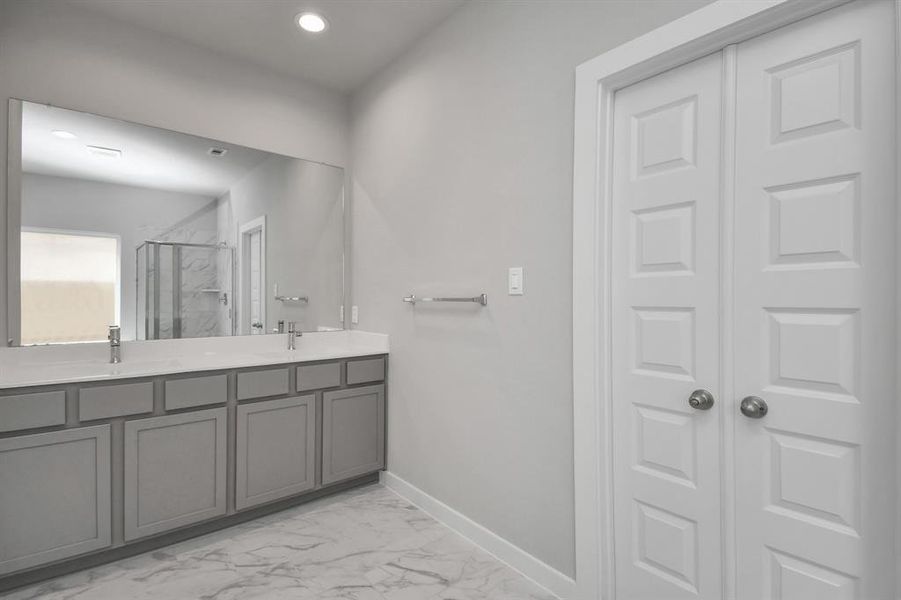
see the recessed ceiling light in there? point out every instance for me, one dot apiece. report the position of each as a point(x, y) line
point(312, 22)
point(62, 134)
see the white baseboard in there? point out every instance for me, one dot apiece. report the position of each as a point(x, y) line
point(541, 573)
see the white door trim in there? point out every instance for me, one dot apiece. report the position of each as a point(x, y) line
point(709, 29)
point(243, 305)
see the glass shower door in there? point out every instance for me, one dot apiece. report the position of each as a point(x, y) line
point(184, 290)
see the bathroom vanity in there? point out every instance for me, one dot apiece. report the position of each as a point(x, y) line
point(99, 461)
point(202, 425)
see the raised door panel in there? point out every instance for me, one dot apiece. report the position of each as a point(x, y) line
point(814, 275)
point(665, 263)
point(54, 496)
point(353, 433)
point(174, 471)
point(276, 454)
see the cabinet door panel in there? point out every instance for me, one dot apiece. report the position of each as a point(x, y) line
point(276, 450)
point(353, 432)
point(174, 471)
point(54, 496)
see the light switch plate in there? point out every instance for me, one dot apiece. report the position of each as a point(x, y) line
point(514, 281)
point(354, 315)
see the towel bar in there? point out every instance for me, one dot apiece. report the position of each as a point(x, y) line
point(480, 299)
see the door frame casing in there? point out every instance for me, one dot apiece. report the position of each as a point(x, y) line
point(710, 29)
point(243, 304)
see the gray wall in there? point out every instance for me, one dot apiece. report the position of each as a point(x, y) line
point(302, 202)
point(462, 167)
point(57, 53)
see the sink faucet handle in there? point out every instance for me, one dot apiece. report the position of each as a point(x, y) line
point(114, 344)
point(292, 334)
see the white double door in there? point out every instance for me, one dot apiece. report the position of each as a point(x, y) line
point(753, 228)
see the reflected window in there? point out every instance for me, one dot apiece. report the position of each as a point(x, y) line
point(70, 286)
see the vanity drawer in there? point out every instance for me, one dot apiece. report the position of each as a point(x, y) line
point(37, 409)
point(365, 371)
point(260, 384)
point(196, 391)
point(317, 377)
point(104, 402)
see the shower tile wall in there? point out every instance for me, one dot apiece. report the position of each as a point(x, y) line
point(199, 275)
point(199, 305)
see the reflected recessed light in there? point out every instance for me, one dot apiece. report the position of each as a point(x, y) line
point(65, 135)
point(105, 152)
point(312, 22)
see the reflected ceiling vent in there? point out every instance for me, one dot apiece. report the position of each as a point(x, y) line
point(217, 151)
point(105, 152)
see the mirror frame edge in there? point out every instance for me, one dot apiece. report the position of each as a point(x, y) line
point(13, 223)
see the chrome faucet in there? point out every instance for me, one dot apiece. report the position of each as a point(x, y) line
point(293, 334)
point(115, 344)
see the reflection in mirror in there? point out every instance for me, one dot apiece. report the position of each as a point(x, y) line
point(169, 235)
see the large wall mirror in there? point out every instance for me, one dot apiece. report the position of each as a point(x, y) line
point(165, 234)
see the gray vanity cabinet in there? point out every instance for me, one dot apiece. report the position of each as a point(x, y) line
point(54, 496)
point(175, 470)
point(108, 468)
point(276, 450)
point(353, 432)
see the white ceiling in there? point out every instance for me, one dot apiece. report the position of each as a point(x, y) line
point(363, 35)
point(151, 157)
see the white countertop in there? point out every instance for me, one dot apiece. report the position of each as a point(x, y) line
point(76, 363)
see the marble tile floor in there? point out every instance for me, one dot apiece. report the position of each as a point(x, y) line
point(364, 544)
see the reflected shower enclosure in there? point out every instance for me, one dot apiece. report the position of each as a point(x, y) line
point(184, 290)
